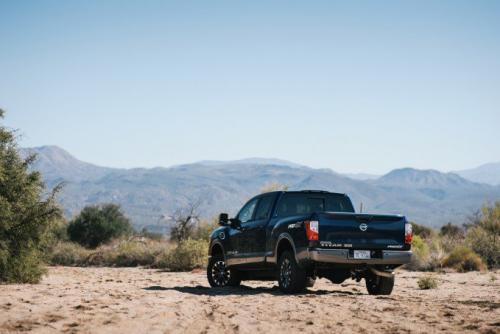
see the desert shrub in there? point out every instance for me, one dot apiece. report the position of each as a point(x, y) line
point(131, 253)
point(450, 236)
point(449, 243)
point(420, 256)
point(484, 236)
point(150, 235)
point(464, 259)
point(118, 253)
point(69, 254)
point(479, 240)
point(436, 254)
point(57, 233)
point(426, 282)
point(204, 229)
point(187, 255)
point(98, 224)
point(421, 230)
point(25, 214)
point(452, 231)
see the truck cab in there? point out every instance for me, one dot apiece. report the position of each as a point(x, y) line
point(297, 236)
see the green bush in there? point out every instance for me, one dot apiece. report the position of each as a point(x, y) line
point(187, 255)
point(426, 282)
point(464, 259)
point(25, 214)
point(98, 224)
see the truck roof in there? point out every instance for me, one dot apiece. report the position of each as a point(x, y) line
point(308, 191)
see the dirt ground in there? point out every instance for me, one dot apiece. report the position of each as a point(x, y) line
point(135, 300)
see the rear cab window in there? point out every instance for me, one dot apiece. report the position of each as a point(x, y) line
point(293, 204)
point(264, 207)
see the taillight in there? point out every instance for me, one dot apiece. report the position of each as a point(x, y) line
point(408, 234)
point(312, 229)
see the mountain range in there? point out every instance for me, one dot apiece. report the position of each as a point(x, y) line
point(150, 195)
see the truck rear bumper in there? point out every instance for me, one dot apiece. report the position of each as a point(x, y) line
point(342, 256)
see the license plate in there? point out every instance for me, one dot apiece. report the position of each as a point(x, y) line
point(362, 254)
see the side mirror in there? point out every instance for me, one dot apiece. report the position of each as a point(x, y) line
point(235, 223)
point(223, 219)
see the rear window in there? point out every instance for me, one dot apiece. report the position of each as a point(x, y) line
point(300, 204)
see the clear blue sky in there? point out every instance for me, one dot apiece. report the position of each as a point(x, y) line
point(353, 86)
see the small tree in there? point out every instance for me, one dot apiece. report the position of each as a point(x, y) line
point(25, 214)
point(97, 224)
point(186, 219)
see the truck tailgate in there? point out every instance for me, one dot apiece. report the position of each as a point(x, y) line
point(361, 231)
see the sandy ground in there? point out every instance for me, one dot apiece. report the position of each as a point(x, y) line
point(134, 300)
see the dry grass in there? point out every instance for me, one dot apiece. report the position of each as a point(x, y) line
point(185, 256)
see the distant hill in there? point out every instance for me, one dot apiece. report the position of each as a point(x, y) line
point(361, 176)
point(432, 197)
point(487, 173)
point(256, 161)
point(415, 178)
point(57, 164)
point(149, 195)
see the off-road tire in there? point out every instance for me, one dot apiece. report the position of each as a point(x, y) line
point(379, 285)
point(219, 275)
point(291, 278)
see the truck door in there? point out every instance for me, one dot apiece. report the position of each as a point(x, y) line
point(256, 232)
point(240, 253)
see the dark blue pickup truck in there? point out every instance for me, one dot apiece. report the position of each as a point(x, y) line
point(297, 236)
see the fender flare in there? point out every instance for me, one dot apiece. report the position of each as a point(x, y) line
point(281, 237)
point(214, 243)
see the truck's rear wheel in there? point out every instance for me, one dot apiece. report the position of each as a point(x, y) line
point(219, 275)
point(291, 278)
point(379, 285)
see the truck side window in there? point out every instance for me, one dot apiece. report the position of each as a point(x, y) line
point(246, 213)
point(264, 207)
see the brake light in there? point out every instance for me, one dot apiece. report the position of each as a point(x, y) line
point(408, 234)
point(312, 229)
